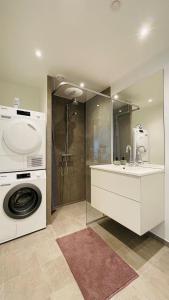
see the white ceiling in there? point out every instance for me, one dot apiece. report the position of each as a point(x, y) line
point(85, 40)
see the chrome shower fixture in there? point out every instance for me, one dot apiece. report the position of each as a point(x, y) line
point(75, 102)
point(74, 114)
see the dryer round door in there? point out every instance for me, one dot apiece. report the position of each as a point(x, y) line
point(22, 137)
point(22, 201)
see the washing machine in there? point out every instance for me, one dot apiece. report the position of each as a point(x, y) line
point(22, 140)
point(22, 203)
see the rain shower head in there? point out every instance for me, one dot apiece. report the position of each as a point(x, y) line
point(70, 91)
point(73, 92)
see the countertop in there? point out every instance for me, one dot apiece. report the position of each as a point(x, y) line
point(140, 170)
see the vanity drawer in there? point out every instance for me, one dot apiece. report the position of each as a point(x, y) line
point(127, 186)
point(123, 210)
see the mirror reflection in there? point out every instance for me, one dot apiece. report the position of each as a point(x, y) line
point(138, 134)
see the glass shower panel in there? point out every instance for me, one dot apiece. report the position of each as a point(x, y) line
point(68, 168)
point(98, 143)
point(82, 136)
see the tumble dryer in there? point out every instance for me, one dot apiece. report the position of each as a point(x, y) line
point(22, 140)
point(22, 203)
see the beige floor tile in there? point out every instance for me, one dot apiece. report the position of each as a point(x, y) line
point(41, 292)
point(45, 233)
point(112, 241)
point(152, 283)
point(73, 210)
point(25, 286)
point(69, 292)
point(20, 244)
point(161, 260)
point(131, 257)
point(47, 250)
point(128, 293)
point(66, 226)
point(92, 214)
point(58, 273)
point(148, 248)
point(27, 242)
point(15, 264)
point(158, 279)
point(145, 290)
point(2, 291)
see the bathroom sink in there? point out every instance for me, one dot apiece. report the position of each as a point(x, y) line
point(140, 170)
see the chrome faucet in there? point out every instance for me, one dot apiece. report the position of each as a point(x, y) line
point(128, 148)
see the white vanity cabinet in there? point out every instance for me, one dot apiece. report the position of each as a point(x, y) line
point(132, 197)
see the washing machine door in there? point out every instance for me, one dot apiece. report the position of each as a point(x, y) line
point(22, 137)
point(22, 201)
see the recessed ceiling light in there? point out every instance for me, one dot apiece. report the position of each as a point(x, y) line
point(116, 97)
point(98, 105)
point(144, 31)
point(82, 84)
point(38, 53)
point(150, 100)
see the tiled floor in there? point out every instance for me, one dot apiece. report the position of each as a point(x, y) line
point(33, 266)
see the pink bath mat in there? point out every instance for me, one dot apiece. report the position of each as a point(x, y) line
point(99, 271)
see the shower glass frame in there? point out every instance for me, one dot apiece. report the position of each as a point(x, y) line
point(97, 106)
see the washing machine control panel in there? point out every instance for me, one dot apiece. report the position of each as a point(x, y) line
point(24, 175)
point(13, 177)
point(23, 112)
point(12, 112)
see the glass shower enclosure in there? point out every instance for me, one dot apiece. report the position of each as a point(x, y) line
point(81, 137)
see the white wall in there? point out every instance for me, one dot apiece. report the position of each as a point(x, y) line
point(44, 96)
point(160, 62)
point(152, 119)
point(31, 97)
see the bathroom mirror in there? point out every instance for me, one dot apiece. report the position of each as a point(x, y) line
point(143, 128)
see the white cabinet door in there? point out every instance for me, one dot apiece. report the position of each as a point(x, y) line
point(127, 186)
point(121, 209)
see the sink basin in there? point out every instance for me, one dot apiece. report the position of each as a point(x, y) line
point(141, 170)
